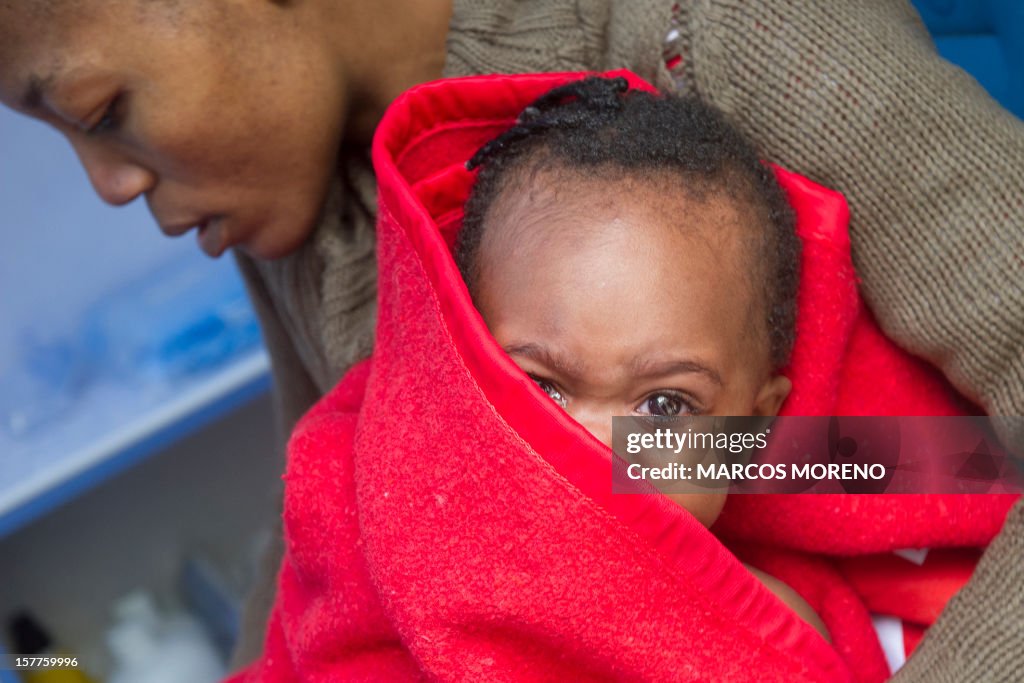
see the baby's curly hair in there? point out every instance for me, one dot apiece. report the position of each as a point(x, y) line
point(598, 126)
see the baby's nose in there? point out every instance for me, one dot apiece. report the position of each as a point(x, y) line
point(597, 422)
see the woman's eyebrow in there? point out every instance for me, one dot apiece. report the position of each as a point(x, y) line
point(563, 365)
point(32, 99)
point(643, 367)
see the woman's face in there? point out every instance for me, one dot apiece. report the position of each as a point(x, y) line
point(226, 117)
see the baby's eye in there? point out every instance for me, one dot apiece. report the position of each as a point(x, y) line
point(665, 404)
point(551, 390)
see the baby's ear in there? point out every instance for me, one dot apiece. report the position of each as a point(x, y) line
point(773, 392)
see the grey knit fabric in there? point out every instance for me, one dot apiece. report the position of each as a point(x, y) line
point(318, 304)
point(980, 634)
point(849, 93)
point(852, 95)
point(558, 35)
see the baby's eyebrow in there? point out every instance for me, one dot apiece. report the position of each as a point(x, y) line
point(643, 367)
point(565, 366)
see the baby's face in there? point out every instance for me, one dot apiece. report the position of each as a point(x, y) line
point(628, 298)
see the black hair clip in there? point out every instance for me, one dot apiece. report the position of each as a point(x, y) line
point(528, 114)
point(594, 93)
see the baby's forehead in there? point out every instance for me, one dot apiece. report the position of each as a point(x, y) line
point(554, 205)
point(697, 234)
point(623, 265)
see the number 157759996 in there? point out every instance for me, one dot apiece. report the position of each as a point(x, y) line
point(36, 662)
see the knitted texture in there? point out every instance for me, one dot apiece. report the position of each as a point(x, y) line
point(558, 35)
point(980, 634)
point(318, 304)
point(511, 37)
point(852, 95)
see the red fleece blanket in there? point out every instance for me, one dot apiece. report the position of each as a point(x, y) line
point(446, 521)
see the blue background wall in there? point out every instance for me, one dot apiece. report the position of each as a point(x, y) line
point(985, 37)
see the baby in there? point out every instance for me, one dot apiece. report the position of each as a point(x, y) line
point(633, 256)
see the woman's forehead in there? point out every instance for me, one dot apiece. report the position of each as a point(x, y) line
point(39, 46)
point(42, 17)
point(28, 21)
point(35, 50)
point(27, 67)
point(57, 9)
point(28, 27)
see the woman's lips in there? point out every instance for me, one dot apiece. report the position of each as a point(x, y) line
point(212, 237)
point(211, 233)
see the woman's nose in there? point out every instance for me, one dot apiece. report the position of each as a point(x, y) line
point(116, 178)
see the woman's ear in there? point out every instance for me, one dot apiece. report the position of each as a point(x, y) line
point(773, 392)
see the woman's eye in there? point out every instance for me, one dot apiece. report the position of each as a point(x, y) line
point(110, 120)
point(551, 390)
point(665, 405)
